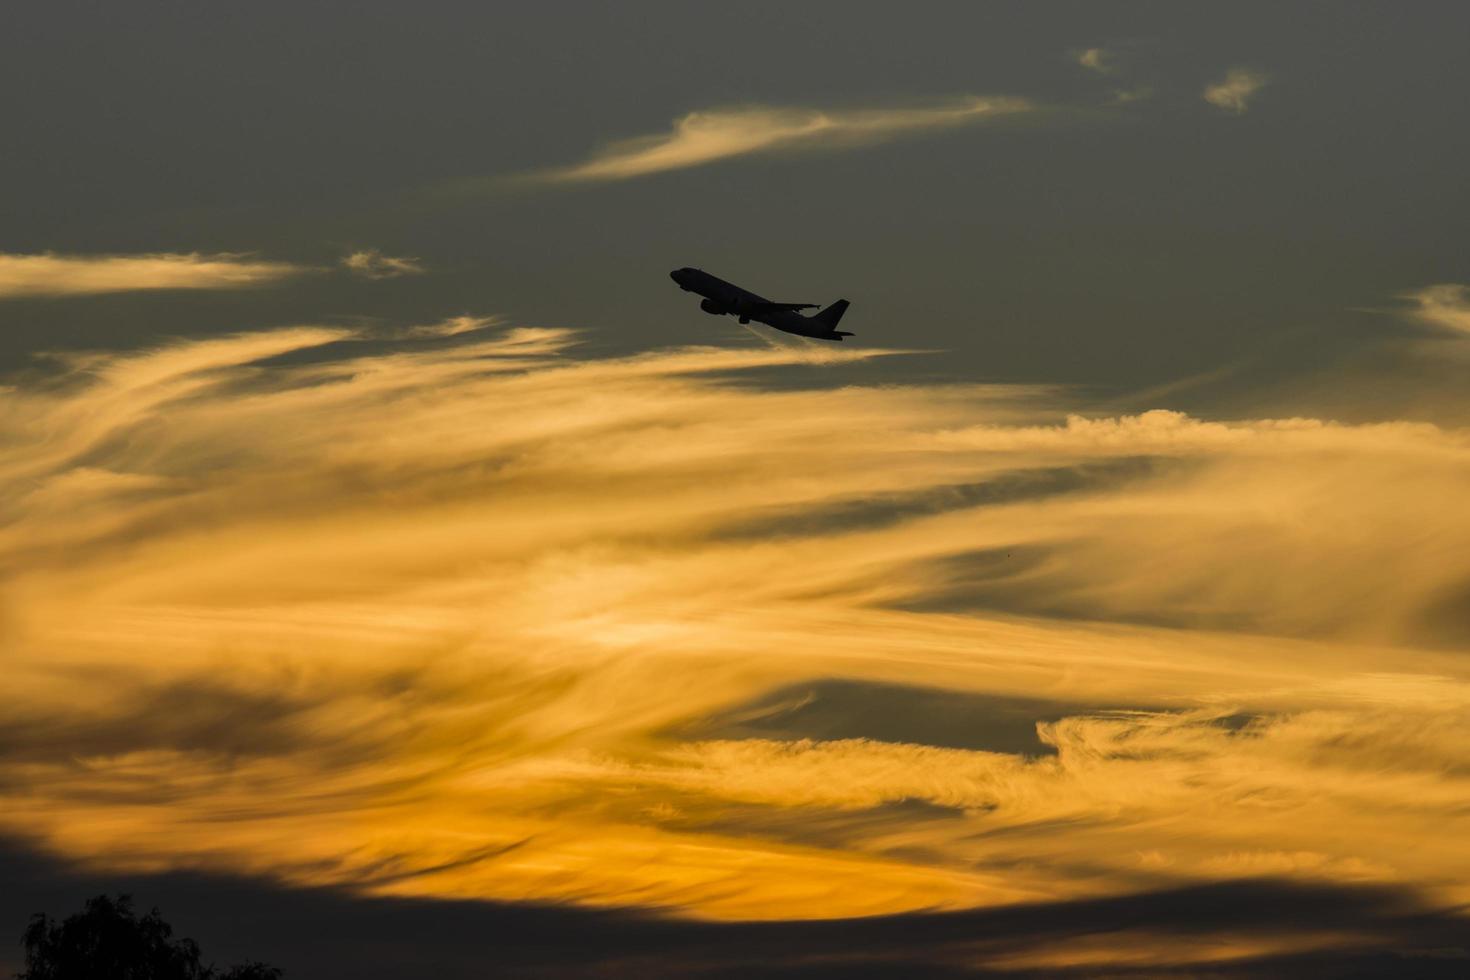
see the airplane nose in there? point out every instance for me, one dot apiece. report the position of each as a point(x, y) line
point(675, 275)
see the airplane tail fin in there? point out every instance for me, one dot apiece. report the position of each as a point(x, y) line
point(828, 318)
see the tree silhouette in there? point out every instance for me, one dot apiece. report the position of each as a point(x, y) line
point(106, 941)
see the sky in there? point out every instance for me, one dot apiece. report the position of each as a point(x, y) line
point(397, 569)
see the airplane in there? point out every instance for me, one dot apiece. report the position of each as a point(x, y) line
point(721, 298)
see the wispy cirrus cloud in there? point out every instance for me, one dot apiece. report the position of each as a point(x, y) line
point(1444, 307)
point(1096, 59)
point(453, 326)
point(50, 274)
point(370, 263)
point(1235, 91)
point(460, 619)
point(1124, 96)
point(707, 136)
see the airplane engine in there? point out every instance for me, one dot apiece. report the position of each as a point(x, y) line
point(710, 306)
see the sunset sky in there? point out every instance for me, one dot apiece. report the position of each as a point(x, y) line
point(400, 576)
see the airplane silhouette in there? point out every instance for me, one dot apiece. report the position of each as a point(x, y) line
point(721, 297)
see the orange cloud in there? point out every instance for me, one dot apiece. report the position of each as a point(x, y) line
point(48, 274)
point(700, 138)
point(473, 620)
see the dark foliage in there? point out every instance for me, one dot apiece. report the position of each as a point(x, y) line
point(106, 941)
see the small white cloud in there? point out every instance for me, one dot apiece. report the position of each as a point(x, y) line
point(1444, 307)
point(49, 274)
point(704, 137)
point(1234, 93)
point(454, 326)
point(1096, 59)
point(1123, 96)
point(373, 264)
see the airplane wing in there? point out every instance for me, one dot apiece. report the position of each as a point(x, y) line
point(781, 307)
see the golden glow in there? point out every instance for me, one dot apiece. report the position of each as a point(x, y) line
point(466, 621)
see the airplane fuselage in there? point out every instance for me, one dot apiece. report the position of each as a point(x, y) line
point(725, 298)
